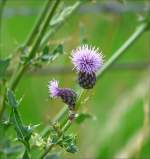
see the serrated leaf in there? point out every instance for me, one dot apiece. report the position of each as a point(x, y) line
point(3, 67)
point(82, 117)
point(12, 99)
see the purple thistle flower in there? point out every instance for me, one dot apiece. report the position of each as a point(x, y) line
point(67, 95)
point(86, 59)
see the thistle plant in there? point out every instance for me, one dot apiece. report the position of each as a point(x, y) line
point(35, 53)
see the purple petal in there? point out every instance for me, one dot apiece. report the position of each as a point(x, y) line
point(87, 59)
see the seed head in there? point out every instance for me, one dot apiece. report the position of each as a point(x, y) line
point(86, 59)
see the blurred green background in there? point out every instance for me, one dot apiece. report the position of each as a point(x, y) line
point(118, 99)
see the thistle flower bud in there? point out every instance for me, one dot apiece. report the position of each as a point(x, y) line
point(67, 95)
point(87, 62)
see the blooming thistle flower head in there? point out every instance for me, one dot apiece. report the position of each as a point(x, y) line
point(53, 88)
point(87, 59)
